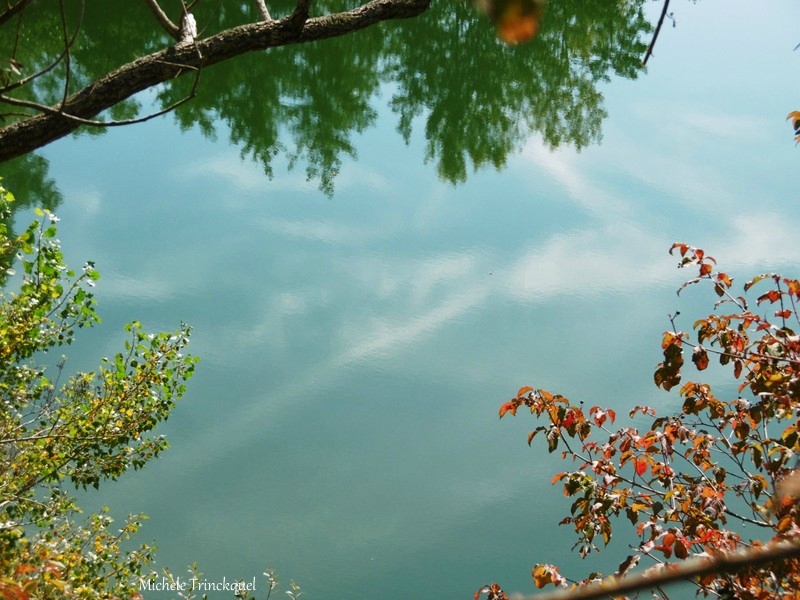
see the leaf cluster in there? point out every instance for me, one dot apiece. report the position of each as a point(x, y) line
point(690, 484)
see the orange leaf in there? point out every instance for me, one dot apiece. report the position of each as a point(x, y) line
point(518, 21)
point(708, 492)
point(524, 390)
point(705, 269)
point(669, 539)
point(508, 407)
point(24, 568)
point(542, 575)
point(723, 278)
point(641, 466)
point(12, 591)
point(683, 248)
point(785, 524)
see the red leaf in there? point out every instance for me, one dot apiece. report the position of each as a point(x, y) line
point(700, 358)
point(683, 248)
point(641, 466)
point(599, 417)
point(705, 269)
point(737, 368)
point(772, 296)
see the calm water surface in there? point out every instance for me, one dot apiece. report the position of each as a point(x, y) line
point(342, 426)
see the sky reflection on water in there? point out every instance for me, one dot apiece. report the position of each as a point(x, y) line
point(342, 426)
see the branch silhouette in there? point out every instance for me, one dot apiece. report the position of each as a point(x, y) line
point(676, 572)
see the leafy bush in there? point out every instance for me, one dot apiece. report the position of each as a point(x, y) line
point(80, 429)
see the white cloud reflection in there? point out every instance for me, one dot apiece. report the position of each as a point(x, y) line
point(244, 175)
point(331, 232)
point(152, 287)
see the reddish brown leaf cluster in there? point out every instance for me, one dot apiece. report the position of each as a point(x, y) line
point(794, 117)
point(689, 483)
point(493, 592)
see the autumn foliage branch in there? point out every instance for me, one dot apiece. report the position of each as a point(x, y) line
point(689, 483)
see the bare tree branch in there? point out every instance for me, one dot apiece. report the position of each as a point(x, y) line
point(13, 10)
point(145, 72)
point(163, 20)
point(677, 572)
point(263, 10)
point(655, 35)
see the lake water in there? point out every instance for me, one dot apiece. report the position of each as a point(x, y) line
point(355, 347)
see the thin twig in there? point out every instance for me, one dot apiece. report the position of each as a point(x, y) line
point(64, 54)
point(16, 36)
point(263, 10)
point(655, 35)
point(96, 123)
point(68, 58)
point(747, 519)
point(171, 28)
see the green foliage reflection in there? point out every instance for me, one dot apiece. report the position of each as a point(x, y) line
point(479, 100)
